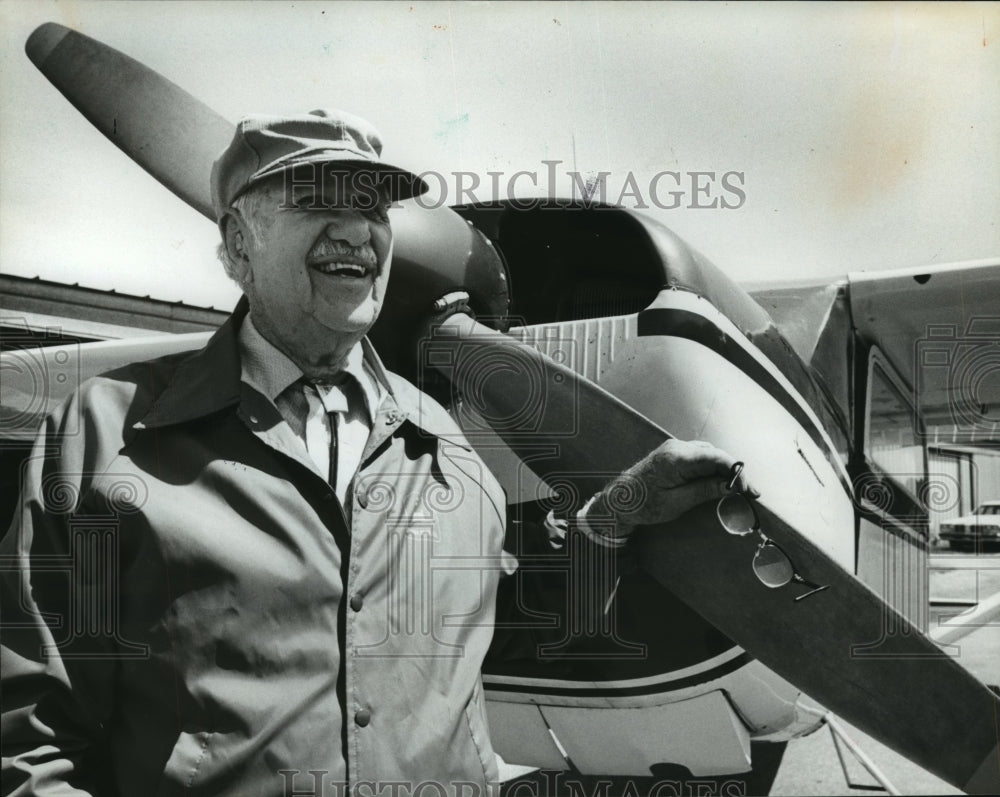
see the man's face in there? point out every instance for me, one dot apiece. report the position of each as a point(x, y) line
point(322, 262)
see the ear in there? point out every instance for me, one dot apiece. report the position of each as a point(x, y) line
point(236, 238)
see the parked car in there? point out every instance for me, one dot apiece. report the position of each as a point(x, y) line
point(983, 525)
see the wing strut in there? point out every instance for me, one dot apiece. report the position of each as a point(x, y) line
point(840, 737)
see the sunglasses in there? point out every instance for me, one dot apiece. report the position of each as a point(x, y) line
point(771, 565)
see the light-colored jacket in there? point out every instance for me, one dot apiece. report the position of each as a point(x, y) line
point(187, 611)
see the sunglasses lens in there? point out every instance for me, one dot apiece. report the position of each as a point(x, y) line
point(735, 514)
point(772, 566)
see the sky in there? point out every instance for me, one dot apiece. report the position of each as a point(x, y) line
point(860, 136)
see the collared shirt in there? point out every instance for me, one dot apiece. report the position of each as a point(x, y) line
point(267, 369)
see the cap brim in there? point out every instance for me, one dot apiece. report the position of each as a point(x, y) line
point(402, 184)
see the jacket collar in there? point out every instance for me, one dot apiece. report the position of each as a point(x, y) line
point(203, 383)
point(209, 380)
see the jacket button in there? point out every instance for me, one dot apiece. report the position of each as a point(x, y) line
point(357, 601)
point(362, 718)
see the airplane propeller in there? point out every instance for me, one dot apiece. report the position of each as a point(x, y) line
point(121, 97)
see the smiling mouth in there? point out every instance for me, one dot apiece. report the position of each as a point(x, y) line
point(341, 269)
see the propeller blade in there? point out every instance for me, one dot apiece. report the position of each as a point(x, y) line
point(176, 138)
point(173, 136)
point(843, 646)
point(526, 397)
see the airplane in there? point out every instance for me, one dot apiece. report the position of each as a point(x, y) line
point(566, 369)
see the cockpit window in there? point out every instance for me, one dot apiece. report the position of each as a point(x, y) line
point(893, 445)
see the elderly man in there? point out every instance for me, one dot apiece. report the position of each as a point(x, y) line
point(230, 580)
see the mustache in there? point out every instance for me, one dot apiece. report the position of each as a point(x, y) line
point(338, 251)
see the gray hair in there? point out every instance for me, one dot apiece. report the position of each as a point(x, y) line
point(248, 206)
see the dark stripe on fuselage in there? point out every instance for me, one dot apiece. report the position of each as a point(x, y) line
point(626, 691)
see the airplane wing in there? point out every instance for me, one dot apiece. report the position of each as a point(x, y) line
point(941, 328)
point(938, 325)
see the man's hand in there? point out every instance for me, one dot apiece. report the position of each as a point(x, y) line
point(666, 483)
